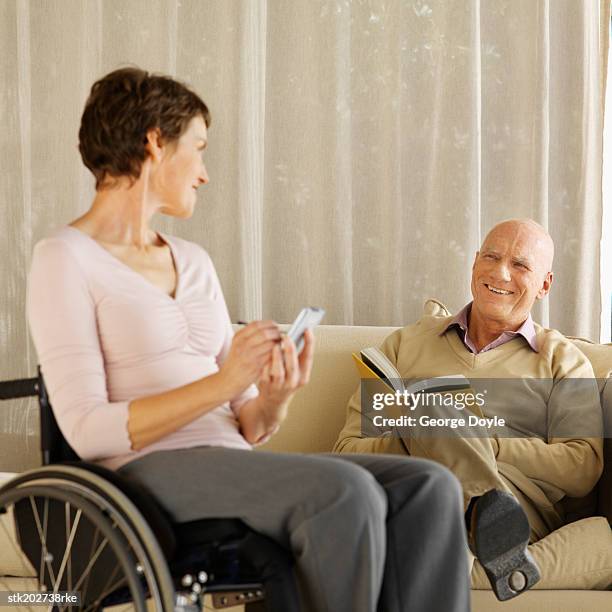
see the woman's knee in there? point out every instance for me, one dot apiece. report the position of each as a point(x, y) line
point(441, 487)
point(353, 488)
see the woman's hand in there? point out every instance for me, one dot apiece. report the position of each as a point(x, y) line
point(280, 379)
point(249, 353)
point(285, 373)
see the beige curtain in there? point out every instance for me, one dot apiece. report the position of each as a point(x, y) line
point(606, 242)
point(358, 152)
point(604, 41)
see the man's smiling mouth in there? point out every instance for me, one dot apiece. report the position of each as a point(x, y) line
point(497, 290)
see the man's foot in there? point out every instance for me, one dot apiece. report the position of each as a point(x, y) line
point(499, 536)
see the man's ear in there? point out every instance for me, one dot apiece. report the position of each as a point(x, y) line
point(547, 283)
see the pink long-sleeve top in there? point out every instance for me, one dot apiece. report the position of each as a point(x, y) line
point(105, 335)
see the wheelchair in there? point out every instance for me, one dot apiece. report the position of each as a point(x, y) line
point(85, 528)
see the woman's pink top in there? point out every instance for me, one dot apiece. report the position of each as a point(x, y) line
point(105, 335)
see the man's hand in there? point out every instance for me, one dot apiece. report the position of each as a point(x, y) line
point(249, 353)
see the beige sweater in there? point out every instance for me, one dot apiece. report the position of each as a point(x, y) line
point(558, 444)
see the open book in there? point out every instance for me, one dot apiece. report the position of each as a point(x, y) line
point(373, 363)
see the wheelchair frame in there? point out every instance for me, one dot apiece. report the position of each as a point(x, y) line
point(171, 564)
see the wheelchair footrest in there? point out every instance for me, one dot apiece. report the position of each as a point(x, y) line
point(229, 598)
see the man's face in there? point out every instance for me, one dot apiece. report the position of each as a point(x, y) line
point(183, 171)
point(511, 271)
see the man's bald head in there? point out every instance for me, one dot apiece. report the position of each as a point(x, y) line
point(511, 271)
point(541, 244)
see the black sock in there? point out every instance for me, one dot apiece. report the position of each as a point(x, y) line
point(468, 513)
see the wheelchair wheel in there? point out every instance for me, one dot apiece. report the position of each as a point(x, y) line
point(79, 533)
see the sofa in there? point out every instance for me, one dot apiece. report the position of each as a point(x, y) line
point(317, 414)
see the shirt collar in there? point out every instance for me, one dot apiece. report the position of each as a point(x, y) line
point(460, 320)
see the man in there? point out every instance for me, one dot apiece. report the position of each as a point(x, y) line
point(552, 446)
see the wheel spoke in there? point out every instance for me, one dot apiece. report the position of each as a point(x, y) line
point(45, 523)
point(68, 529)
point(94, 543)
point(68, 550)
point(114, 526)
point(44, 551)
point(108, 591)
point(110, 579)
point(86, 571)
point(89, 526)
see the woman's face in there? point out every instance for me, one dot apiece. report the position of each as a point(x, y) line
point(182, 170)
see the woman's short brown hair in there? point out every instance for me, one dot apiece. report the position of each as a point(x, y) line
point(121, 108)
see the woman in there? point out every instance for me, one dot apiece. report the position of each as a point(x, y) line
point(145, 376)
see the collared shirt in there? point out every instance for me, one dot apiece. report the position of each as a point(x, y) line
point(460, 323)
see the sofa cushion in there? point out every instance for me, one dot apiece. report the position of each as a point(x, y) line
point(318, 410)
point(544, 601)
point(600, 356)
point(575, 556)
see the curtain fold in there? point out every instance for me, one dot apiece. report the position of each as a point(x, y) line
point(606, 240)
point(359, 151)
point(604, 42)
